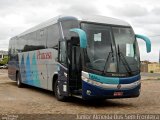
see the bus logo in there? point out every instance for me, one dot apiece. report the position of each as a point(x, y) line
point(44, 55)
point(119, 86)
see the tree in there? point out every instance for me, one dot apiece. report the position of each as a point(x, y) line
point(4, 60)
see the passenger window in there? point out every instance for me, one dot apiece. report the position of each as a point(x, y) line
point(53, 36)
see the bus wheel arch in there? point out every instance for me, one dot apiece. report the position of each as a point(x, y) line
point(55, 90)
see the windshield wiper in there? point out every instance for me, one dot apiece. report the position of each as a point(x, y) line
point(125, 63)
point(110, 53)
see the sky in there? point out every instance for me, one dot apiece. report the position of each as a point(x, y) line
point(16, 16)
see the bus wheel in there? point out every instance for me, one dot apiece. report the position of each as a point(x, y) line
point(19, 83)
point(57, 92)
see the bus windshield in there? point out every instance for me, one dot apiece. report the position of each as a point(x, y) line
point(127, 49)
point(111, 49)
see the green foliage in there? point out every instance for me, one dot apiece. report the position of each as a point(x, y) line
point(4, 60)
point(151, 71)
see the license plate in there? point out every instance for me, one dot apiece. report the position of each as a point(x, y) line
point(118, 93)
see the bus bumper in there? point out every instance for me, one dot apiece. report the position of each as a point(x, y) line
point(90, 91)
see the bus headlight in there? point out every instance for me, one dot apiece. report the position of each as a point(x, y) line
point(91, 81)
point(88, 92)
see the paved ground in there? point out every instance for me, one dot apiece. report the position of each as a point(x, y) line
point(150, 75)
point(30, 100)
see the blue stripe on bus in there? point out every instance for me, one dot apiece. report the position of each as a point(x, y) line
point(129, 80)
point(28, 71)
point(36, 80)
point(22, 70)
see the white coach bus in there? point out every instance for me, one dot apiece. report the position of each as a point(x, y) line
point(90, 57)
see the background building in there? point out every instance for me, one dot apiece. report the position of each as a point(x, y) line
point(144, 66)
point(152, 67)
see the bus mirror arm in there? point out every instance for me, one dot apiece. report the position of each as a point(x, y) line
point(147, 40)
point(82, 36)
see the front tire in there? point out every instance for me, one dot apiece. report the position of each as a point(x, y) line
point(19, 83)
point(57, 92)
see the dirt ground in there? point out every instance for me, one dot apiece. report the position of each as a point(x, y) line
point(30, 100)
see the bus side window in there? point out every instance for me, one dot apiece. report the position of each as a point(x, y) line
point(62, 52)
point(53, 36)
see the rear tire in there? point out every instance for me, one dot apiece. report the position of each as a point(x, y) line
point(57, 92)
point(19, 83)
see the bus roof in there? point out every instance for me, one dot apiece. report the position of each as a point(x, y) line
point(88, 18)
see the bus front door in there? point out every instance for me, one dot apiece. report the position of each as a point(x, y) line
point(62, 83)
point(75, 83)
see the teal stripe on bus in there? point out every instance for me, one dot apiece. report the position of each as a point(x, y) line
point(106, 80)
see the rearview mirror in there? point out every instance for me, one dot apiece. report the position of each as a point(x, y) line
point(147, 40)
point(82, 36)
